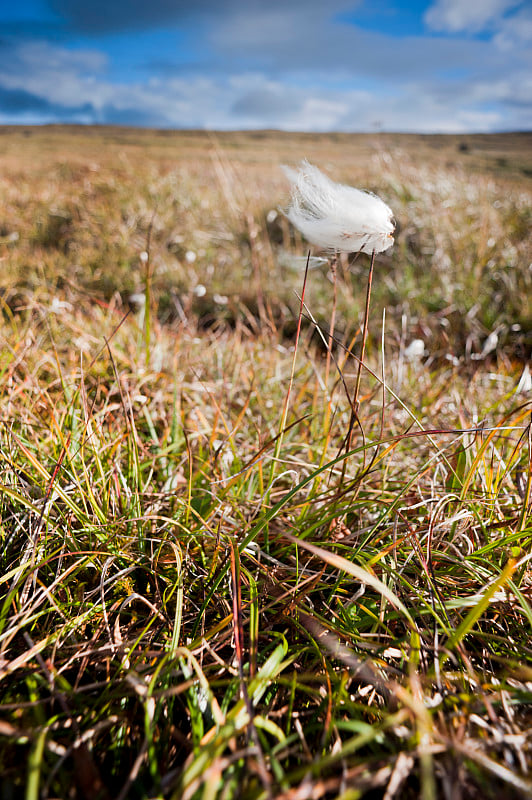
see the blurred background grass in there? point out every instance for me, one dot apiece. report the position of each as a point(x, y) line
point(78, 207)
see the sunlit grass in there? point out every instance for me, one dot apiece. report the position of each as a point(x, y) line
point(192, 606)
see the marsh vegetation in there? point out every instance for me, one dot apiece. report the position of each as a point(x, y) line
point(198, 602)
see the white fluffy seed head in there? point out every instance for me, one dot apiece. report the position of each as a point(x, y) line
point(337, 217)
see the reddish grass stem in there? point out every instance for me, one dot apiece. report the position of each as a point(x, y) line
point(284, 415)
point(355, 403)
point(333, 263)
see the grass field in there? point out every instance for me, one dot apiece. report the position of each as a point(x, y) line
point(204, 593)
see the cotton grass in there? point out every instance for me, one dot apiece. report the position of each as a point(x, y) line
point(337, 217)
point(340, 218)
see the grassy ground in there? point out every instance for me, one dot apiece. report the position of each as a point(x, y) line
point(203, 595)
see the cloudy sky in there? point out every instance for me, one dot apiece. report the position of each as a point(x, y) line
point(312, 65)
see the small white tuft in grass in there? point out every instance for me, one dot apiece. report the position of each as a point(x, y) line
point(525, 382)
point(338, 217)
point(415, 350)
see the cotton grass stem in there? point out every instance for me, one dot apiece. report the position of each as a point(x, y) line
point(355, 402)
point(340, 219)
point(284, 415)
point(334, 274)
point(145, 260)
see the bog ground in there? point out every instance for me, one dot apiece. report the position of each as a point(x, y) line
point(204, 592)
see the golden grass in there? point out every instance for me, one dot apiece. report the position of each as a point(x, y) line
point(193, 607)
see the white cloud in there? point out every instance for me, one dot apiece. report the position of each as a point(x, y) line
point(418, 108)
point(283, 40)
point(472, 16)
point(61, 76)
point(39, 56)
point(253, 100)
point(516, 32)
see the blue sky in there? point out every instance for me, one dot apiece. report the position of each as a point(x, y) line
point(311, 65)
